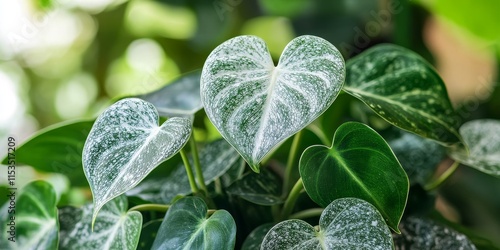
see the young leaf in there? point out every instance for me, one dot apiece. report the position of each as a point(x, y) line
point(31, 220)
point(179, 98)
point(263, 189)
point(114, 227)
point(126, 144)
point(418, 156)
point(359, 164)
point(421, 233)
point(57, 149)
point(186, 226)
point(255, 238)
point(215, 158)
point(483, 140)
point(405, 90)
point(347, 223)
point(255, 105)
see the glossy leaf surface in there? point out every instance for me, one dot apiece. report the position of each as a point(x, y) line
point(255, 105)
point(125, 144)
point(359, 164)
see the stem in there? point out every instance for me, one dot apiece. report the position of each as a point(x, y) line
point(197, 165)
point(292, 198)
point(440, 180)
point(150, 207)
point(313, 212)
point(290, 162)
point(189, 172)
point(319, 133)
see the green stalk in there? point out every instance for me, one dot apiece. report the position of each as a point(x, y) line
point(308, 213)
point(197, 164)
point(189, 171)
point(290, 166)
point(441, 179)
point(291, 199)
point(320, 134)
point(150, 207)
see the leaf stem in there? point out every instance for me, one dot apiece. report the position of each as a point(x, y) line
point(150, 207)
point(290, 166)
point(189, 171)
point(197, 164)
point(320, 134)
point(442, 178)
point(291, 199)
point(308, 213)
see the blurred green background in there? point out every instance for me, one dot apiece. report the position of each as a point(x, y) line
point(63, 60)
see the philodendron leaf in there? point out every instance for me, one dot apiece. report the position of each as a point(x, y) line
point(405, 90)
point(148, 234)
point(422, 233)
point(215, 158)
point(346, 223)
point(179, 98)
point(263, 189)
point(418, 156)
point(57, 149)
point(255, 105)
point(255, 238)
point(359, 164)
point(125, 144)
point(186, 226)
point(483, 140)
point(31, 220)
point(114, 227)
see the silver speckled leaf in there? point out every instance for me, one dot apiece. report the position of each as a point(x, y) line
point(114, 228)
point(422, 233)
point(347, 223)
point(255, 105)
point(179, 98)
point(126, 144)
point(402, 88)
point(483, 140)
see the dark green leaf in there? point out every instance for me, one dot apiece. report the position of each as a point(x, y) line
point(32, 218)
point(346, 223)
point(148, 234)
point(126, 144)
point(179, 98)
point(405, 90)
point(57, 149)
point(255, 238)
point(359, 164)
point(483, 140)
point(263, 189)
point(215, 158)
point(255, 105)
point(186, 226)
point(114, 227)
point(421, 233)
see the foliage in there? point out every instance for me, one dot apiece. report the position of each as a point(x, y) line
point(355, 184)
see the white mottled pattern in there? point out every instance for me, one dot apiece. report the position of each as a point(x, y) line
point(255, 105)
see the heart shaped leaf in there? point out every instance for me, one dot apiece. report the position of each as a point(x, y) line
point(114, 227)
point(30, 221)
point(405, 90)
point(422, 233)
point(215, 158)
point(347, 223)
point(263, 189)
point(179, 98)
point(125, 144)
point(57, 149)
point(186, 226)
point(255, 105)
point(483, 140)
point(359, 164)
